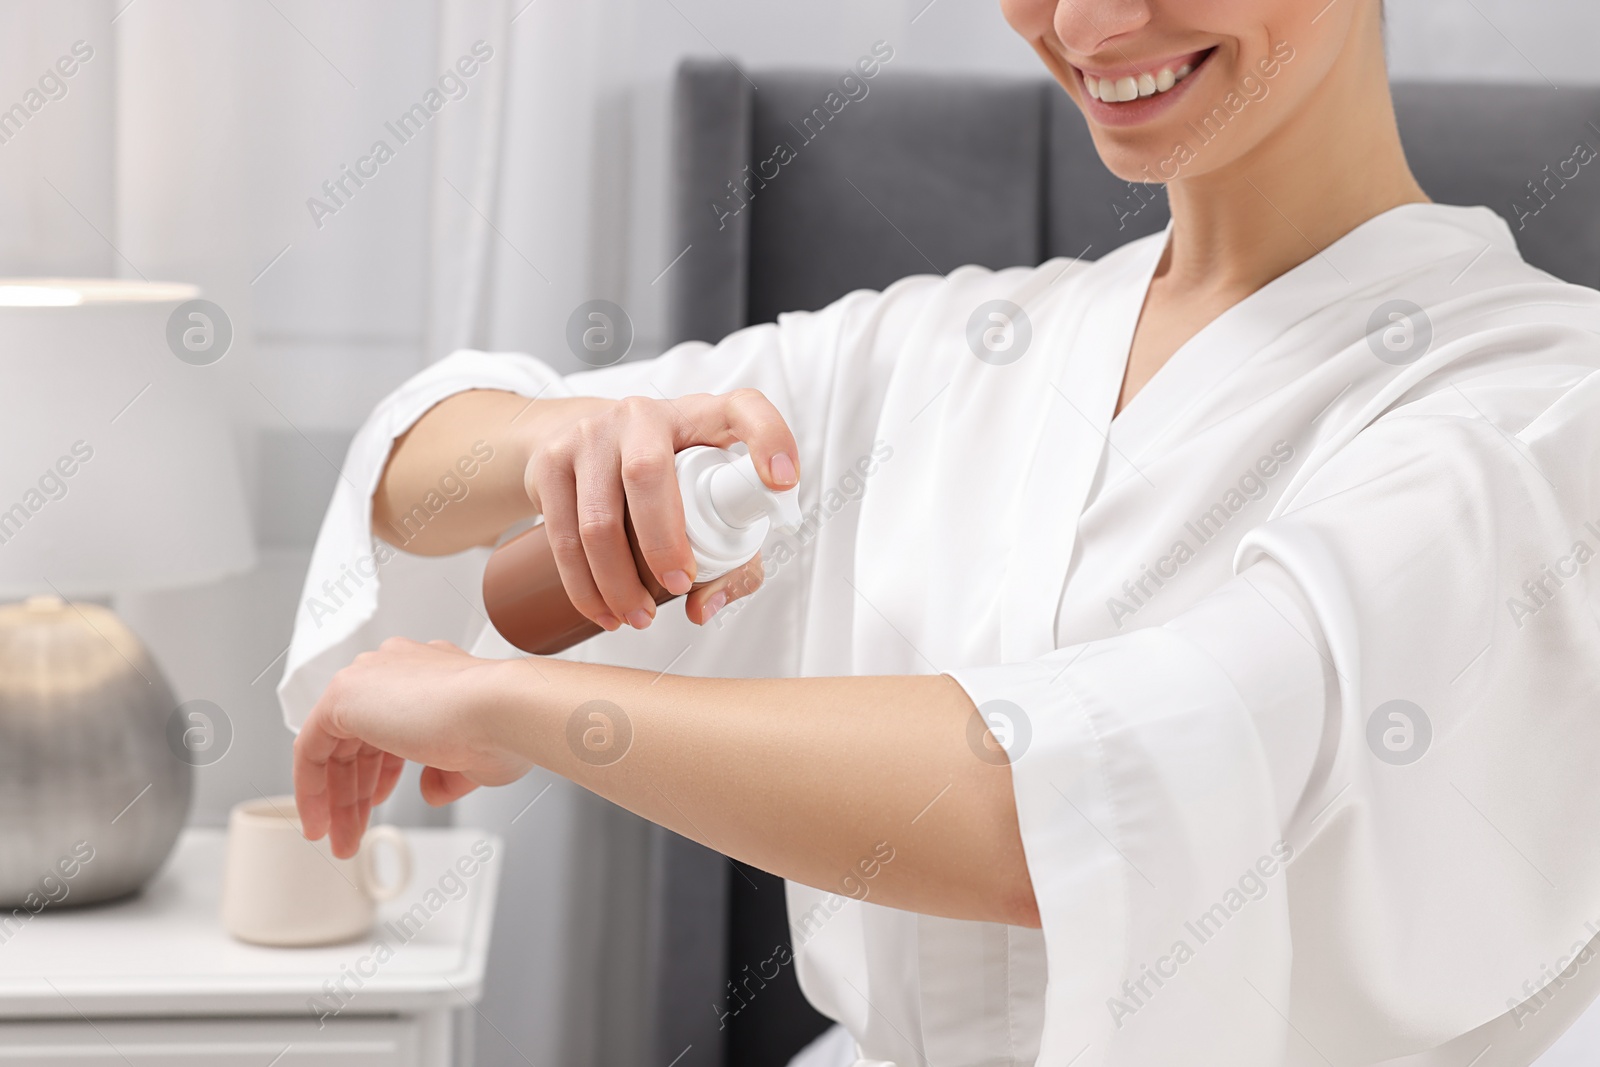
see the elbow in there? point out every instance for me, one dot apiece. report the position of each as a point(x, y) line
point(385, 533)
point(1018, 901)
point(1020, 906)
point(395, 530)
point(1007, 890)
point(383, 524)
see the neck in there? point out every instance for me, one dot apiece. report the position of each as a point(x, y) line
point(1242, 225)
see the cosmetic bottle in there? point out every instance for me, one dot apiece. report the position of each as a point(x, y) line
point(727, 512)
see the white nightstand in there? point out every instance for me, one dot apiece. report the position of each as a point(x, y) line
point(155, 980)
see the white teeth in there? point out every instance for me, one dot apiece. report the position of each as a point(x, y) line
point(1119, 90)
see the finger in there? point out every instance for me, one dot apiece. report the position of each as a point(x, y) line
point(601, 526)
point(389, 777)
point(744, 415)
point(369, 765)
point(443, 787)
point(312, 750)
point(559, 494)
point(341, 810)
point(344, 799)
point(703, 603)
point(446, 646)
point(650, 484)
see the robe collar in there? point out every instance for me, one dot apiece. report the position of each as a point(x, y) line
point(1077, 425)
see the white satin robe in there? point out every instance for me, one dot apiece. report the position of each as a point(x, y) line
point(1187, 624)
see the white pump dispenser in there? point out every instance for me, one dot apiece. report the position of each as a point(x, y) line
point(727, 509)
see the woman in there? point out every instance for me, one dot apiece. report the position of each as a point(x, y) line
point(1262, 562)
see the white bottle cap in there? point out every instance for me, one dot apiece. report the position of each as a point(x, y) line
point(727, 509)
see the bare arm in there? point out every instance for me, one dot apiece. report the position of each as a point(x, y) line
point(800, 777)
point(432, 451)
point(812, 779)
point(585, 464)
point(875, 787)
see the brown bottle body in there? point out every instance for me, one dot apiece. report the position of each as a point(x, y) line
point(526, 602)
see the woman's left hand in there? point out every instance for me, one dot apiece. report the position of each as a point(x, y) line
point(427, 703)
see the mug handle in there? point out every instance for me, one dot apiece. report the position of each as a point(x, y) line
point(369, 853)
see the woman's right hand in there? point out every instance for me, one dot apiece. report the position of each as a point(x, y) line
point(585, 473)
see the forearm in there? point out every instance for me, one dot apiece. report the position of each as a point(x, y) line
point(489, 432)
point(806, 778)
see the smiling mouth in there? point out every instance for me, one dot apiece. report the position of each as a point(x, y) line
point(1121, 87)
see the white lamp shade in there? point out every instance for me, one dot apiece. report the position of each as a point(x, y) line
point(118, 470)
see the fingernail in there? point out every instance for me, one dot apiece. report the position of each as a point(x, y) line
point(783, 469)
point(609, 621)
point(713, 605)
point(639, 619)
point(677, 582)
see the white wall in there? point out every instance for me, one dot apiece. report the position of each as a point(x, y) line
point(1548, 42)
point(190, 146)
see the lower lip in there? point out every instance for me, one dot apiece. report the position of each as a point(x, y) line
point(1145, 108)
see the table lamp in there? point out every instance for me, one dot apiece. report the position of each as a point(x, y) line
point(117, 474)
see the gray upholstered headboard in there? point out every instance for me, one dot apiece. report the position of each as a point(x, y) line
point(929, 173)
point(926, 174)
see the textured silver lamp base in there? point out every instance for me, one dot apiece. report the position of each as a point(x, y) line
point(92, 794)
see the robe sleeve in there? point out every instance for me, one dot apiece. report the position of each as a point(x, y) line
point(1330, 813)
point(817, 368)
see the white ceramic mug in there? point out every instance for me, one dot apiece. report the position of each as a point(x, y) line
point(280, 889)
